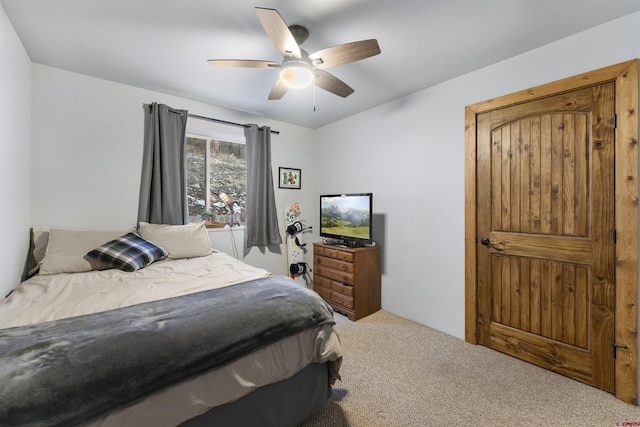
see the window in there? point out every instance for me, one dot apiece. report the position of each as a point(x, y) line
point(216, 179)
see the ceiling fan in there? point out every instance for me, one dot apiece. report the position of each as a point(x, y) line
point(299, 68)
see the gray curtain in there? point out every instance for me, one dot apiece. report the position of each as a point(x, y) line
point(163, 190)
point(262, 214)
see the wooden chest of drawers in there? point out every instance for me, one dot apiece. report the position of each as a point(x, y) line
point(348, 278)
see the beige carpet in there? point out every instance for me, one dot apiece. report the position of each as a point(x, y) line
point(400, 373)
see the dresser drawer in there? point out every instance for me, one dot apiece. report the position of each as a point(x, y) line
point(334, 264)
point(334, 253)
point(338, 276)
point(342, 289)
point(325, 282)
point(341, 299)
point(322, 291)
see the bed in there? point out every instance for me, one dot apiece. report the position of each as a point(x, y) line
point(191, 337)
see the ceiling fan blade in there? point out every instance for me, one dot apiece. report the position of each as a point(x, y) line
point(344, 53)
point(278, 90)
point(332, 84)
point(278, 32)
point(246, 63)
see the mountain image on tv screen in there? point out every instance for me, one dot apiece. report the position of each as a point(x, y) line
point(346, 216)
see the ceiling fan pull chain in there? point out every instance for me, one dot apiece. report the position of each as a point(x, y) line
point(314, 95)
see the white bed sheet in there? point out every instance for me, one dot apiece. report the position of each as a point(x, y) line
point(58, 296)
point(51, 297)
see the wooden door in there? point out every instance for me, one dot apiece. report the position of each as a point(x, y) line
point(545, 222)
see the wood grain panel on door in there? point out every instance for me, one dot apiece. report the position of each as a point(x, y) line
point(546, 197)
point(539, 273)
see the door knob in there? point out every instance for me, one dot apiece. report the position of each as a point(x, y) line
point(486, 242)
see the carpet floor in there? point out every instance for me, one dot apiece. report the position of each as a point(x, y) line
point(397, 372)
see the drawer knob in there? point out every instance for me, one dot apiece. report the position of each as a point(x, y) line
point(344, 267)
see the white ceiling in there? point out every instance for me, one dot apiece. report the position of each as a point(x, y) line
point(163, 45)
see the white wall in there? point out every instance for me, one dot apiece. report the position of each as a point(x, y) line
point(410, 153)
point(15, 153)
point(87, 152)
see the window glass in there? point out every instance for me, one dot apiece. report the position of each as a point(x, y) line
point(216, 180)
point(196, 177)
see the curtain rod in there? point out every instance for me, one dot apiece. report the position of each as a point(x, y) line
point(211, 119)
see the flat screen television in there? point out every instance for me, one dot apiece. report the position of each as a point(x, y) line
point(345, 219)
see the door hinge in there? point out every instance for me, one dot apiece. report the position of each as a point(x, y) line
point(614, 235)
point(616, 347)
point(615, 120)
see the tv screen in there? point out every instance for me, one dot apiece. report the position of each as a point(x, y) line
point(346, 218)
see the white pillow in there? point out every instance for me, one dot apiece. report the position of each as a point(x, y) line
point(67, 249)
point(181, 241)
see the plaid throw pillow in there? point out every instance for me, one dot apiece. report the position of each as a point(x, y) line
point(128, 253)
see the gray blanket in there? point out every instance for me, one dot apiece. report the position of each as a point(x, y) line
point(68, 371)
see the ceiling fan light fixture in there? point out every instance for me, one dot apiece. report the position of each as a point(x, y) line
point(296, 75)
point(298, 68)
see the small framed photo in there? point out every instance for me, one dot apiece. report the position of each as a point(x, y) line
point(289, 178)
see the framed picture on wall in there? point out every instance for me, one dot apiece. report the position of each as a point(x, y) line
point(289, 178)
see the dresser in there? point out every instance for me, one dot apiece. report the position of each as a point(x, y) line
point(348, 278)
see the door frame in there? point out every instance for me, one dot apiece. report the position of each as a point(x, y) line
point(625, 76)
